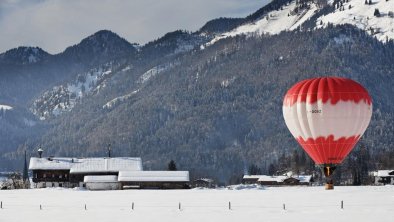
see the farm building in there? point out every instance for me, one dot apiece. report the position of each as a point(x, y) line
point(383, 177)
point(70, 172)
point(277, 180)
point(102, 173)
point(154, 179)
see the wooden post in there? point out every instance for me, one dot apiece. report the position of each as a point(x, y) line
point(40, 207)
point(342, 204)
point(1, 205)
point(85, 206)
point(284, 206)
point(229, 205)
point(179, 206)
point(132, 206)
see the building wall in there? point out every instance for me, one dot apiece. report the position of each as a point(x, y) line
point(156, 185)
point(103, 185)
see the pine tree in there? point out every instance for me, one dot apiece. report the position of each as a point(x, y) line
point(172, 166)
point(376, 13)
point(254, 170)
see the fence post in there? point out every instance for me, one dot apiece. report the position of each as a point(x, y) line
point(284, 206)
point(342, 204)
point(179, 206)
point(40, 207)
point(1, 205)
point(132, 206)
point(229, 205)
point(85, 206)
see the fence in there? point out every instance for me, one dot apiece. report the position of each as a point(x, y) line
point(340, 205)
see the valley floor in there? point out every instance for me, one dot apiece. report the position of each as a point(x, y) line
point(252, 204)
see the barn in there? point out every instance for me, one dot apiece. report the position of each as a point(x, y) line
point(70, 172)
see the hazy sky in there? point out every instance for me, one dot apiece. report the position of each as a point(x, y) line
point(55, 24)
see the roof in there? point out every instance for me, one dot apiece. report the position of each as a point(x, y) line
point(50, 163)
point(279, 179)
point(252, 177)
point(117, 164)
point(86, 165)
point(385, 173)
point(304, 178)
point(100, 179)
point(153, 176)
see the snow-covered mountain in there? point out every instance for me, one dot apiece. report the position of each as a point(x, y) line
point(203, 106)
point(63, 98)
point(374, 16)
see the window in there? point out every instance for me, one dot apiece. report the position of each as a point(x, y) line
point(60, 176)
point(53, 175)
point(44, 175)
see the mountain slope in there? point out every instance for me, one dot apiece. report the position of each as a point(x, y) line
point(282, 15)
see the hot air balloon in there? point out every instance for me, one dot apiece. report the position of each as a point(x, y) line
point(327, 116)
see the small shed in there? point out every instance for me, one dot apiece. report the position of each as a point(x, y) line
point(251, 179)
point(108, 182)
point(154, 179)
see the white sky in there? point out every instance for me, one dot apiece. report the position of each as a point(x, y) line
point(56, 24)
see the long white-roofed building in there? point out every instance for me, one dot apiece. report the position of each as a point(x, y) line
point(154, 179)
point(70, 172)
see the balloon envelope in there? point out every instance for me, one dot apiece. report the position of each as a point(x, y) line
point(327, 116)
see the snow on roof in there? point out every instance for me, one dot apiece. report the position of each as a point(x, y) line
point(117, 164)
point(304, 178)
point(385, 173)
point(100, 179)
point(278, 179)
point(157, 176)
point(252, 176)
point(57, 163)
point(5, 107)
point(86, 165)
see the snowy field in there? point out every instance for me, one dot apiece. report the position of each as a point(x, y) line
point(264, 204)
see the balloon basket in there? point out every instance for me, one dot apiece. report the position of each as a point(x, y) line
point(329, 186)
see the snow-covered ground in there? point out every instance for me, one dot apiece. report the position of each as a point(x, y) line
point(362, 16)
point(274, 22)
point(354, 12)
point(247, 204)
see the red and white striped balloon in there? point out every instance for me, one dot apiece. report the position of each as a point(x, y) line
point(327, 116)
